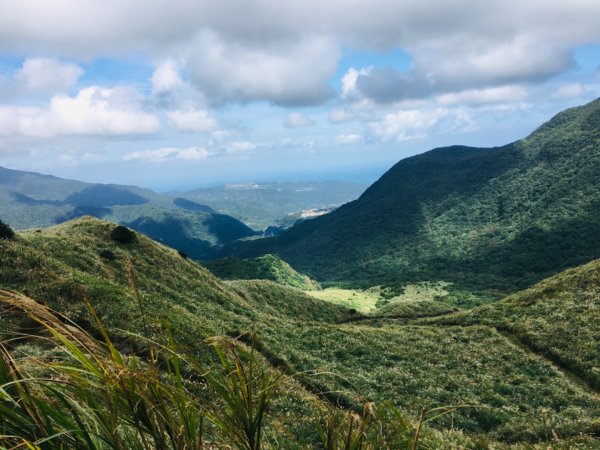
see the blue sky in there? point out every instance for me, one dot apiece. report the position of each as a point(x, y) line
point(204, 93)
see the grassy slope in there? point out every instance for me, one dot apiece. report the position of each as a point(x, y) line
point(559, 317)
point(266, 267)
point(61, 265)
point(57, 264)
point(363, 301)
point(509, 391)
point(411, 365)
point(497, 219)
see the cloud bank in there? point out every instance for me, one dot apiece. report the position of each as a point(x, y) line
point(286, 52)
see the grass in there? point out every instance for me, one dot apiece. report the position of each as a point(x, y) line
point(94, 397)
point(266, 267)
point(362, 301)
point(416, 300)
point(558, 317)
point(508, 390)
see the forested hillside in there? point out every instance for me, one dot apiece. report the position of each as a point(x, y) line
point(498, 218)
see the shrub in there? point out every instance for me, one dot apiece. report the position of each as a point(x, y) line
point(6, 232)
point(182, 254)
point(107, 255)
point(122, 235)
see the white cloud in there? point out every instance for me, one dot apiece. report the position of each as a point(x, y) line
point(166, 77)
point(567, 91)
point(349, 139)
point(240, 147)
point(502, 94)
point(160, 155)
point(39, 76)
point(193, 120)
point(283, 73)
point(93, 111)
point(47, 75)
point(286, 52)
point(297, 120)
point(192, 153)
point(349, 89)
point(340, 116)
point(462, 121)
point(407, 125)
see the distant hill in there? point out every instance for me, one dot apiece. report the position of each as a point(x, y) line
point(497, 218)
point(31, 200)
point(559, 317)
point(260, 205)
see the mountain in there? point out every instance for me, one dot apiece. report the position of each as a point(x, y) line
point(322, 352)
point(193, 221)
point(492, 218)
point(260, 205)
point(31, 200)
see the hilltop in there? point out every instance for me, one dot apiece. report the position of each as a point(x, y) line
point(494, 219)
point(267, 267)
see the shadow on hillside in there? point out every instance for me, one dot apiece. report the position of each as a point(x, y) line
point(189, 205)
point(104, 196)
point(172, 232)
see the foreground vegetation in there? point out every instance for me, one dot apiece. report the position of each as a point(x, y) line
point(62, 388)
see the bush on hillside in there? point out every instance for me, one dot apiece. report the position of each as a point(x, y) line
point(182, 254)
point(122, 235)
point(107, 255)
point(6, 232)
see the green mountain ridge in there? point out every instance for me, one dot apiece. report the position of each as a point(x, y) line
point(182, 220)
point(30, 200)
point(499, 218)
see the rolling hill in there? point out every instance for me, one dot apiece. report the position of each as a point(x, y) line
point(267, 267)
point(497, 219)
point(508, 394)
point(193, 221)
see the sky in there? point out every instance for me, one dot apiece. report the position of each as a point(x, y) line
point(192, 93)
